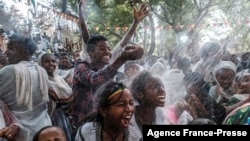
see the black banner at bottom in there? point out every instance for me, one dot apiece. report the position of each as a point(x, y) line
point(162, 132)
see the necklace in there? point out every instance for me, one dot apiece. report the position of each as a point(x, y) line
point(98, 129)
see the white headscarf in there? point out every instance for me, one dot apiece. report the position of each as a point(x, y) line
point(57, 83)
point(224, 65)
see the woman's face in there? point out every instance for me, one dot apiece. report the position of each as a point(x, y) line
point(120, 113)
point(225, 78)
point(245, 84)
point(131, 71)
point(154, 92)
point(52, 134)
point(49, 63)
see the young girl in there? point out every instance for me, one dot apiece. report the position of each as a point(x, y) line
point(111, 118)
point(149, 92)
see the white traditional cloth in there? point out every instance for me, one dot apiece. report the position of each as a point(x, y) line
point(32, 119)
point(57, 83)
point(24, 90)
point(160, 119)
point(213, 92)
point(243, 73)
point(88, 132)
point(174, 86)
point(224, 65)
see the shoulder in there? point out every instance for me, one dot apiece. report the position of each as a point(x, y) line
point(7, 68)
point(7, 71)
point(160, 116)
point(87, 132)
point(134, 133)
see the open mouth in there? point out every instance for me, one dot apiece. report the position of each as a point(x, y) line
point(106, 58)
point(161, 100)
point(126, 120)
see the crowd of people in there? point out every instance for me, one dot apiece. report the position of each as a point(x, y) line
point(106, 96)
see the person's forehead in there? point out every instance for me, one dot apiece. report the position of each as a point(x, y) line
point(102, 44)
point(52, 130)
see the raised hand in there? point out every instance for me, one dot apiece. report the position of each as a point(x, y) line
point(142, 13)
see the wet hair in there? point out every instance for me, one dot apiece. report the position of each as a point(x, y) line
point(93, 40)
point(102, 94)
point(201, 121)
point(36, 136)
point(139, 82)
point(105, 91)
point(63, 54)
point(23, 42)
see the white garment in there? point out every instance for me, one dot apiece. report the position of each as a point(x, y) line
point(174, 86)
point(160, 119)
point(88, 131)
point(24, 90)
point(33, 119)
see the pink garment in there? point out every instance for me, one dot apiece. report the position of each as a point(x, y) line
point(171, 114)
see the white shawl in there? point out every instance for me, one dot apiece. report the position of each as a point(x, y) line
point(24, 83)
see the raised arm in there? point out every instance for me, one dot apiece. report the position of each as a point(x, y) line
point(138, 17)
point(82, 24)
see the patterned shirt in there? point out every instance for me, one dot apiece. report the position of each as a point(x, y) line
point(87, 78)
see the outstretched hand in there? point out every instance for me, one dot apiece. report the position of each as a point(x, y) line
point(142, 13)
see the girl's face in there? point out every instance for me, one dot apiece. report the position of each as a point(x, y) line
point(225, 78)
point(52, 134)
point(49, 63)
point(154, 92)
point(131, 71)
point(244, 84)
point(120, 113)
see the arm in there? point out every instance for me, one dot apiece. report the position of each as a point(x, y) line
point(84, 73)
point(11, 123)
point(231, 108)
point(138, 17)
point(82, 24)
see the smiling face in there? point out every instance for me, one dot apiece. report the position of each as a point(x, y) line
point(120, 112)
point(49, 63)
point(245, 84)
point(154, 92)
point(101, 54)
point(225, 78)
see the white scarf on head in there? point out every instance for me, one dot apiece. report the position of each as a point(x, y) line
point(57, 83)
point(224, 65)
point(24, 83)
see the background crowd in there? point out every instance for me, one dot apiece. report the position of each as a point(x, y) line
point(103, 94)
